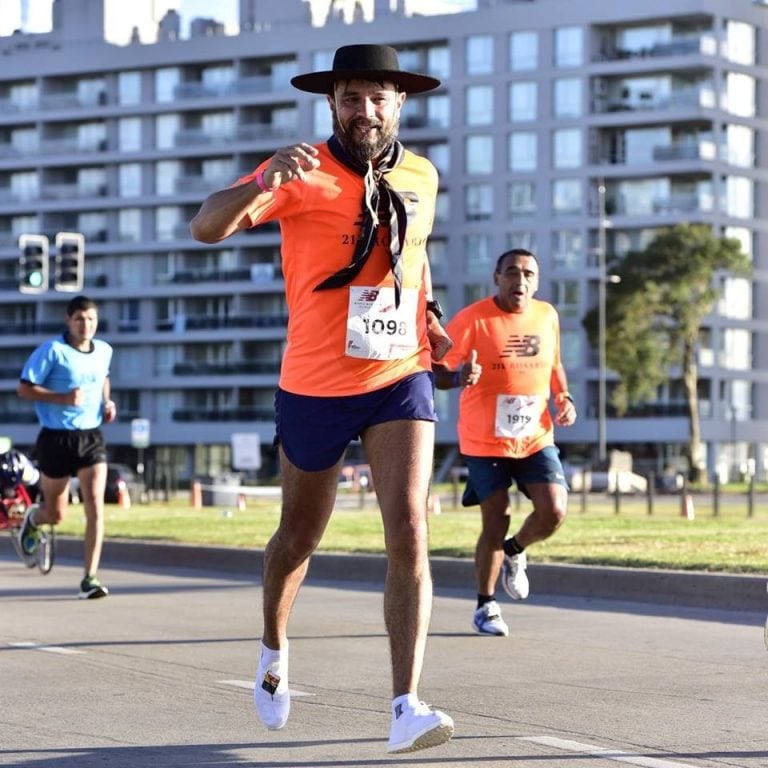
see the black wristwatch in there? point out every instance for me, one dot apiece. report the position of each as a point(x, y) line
point(434, 307)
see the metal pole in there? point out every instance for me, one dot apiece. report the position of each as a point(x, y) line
point(601, 386)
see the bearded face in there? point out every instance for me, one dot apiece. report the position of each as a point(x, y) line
point(365, 131)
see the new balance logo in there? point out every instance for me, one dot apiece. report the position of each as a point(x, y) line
point(522, 346)
point(369, 295)
point(270, 683)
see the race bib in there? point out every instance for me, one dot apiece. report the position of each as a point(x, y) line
point(517, 415)
point(376, 330)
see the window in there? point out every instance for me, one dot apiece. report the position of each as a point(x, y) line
point(167, 80)
point(740, 42)
point(168, 218)
point(565, 297)
point(566, 148)
point(478, 256)
point(736, 298)
point(522, 198)
point(438, 111)
point(25, 185)
point(322, 123)
point(567, 97)
point(526, 240)
point(567, 252)
point(24, 95)
point(523, 51)
point(568, 47)
point(167, 174)
point(129, 225)
point(129, 134)
point(166, 129)
point(129, 88)
point(129, 180)
point(479, 154)
point(522, 151)
point(739, 197)
point(522, 102)
point(128, 315)
point(439, 62)
point(479, 105)
point(478, 202)
point(566, 197)
point(440, 156)
point(740, 94)
point(739, 145)
point(479, 55)
point(570, 350)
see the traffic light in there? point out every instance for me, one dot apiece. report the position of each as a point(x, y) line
point(70, 262)
point(33, 263)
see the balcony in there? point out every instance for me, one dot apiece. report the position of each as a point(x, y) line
point(227, 369)
point(183, 323)
point(223, 414)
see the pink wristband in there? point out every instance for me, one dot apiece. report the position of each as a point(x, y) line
point(260, 182)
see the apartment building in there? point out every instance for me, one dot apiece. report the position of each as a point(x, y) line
point(543, 102)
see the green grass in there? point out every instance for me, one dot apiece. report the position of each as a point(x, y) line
point(731, 542)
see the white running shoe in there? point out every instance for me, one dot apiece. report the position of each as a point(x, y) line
point(271, 696)
point(415, 726)
point(487, 620)
point(513, 576)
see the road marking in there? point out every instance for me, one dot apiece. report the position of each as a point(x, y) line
point(41, 647)
point(607, 754)
point(248, 684)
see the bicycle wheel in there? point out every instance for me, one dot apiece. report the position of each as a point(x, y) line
point(28, 560)
point(46, 550)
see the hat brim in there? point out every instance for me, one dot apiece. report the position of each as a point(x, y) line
point(322, 82)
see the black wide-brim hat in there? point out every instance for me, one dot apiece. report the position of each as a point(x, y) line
point(377, 63)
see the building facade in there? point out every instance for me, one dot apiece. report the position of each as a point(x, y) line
point(543, 103)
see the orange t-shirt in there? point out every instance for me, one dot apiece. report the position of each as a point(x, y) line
point(507, 412)
point(320, 221)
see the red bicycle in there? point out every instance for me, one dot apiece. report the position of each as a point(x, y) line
point(18, 478)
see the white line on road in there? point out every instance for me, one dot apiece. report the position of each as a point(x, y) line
point(41, 647)
point(608, 754)
point(248, 684)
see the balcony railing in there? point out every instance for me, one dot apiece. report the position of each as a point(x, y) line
point(227, 369)
point(223, 414)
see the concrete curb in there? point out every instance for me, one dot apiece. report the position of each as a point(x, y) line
point(734, 592)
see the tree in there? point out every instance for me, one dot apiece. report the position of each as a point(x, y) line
point(655, 313)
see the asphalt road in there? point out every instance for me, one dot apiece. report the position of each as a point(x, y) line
point(159, 675)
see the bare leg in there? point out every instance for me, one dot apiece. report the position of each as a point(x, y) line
point(92, 481)
point(550, 502)
point(488, 551)
point(308, 499)
point(400, 455)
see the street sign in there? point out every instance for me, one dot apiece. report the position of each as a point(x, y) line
point(246, 450)
point(140, 433)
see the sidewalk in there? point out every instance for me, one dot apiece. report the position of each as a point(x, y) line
point(733, 592)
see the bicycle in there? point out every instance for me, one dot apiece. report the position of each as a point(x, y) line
point(17, 475)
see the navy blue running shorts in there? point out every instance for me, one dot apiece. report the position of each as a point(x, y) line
point(488, 474)
point(315, 431)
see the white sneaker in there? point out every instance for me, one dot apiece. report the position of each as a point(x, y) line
point(415, 726)
point(271, 696)
point(513, 576)
point(487, 620)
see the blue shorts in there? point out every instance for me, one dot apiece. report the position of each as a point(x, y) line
point(488, 474)
point(315, 431)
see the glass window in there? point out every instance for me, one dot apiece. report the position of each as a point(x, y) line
point(24, 95)
point(740, 94)
point(129, 224)
point(478, 256)
point(479, 54)
point(25, 140)
point(438, 111)
point(523, 151)
point(570, 350)
point(166, 129)
point(479, 105)
point(479, 154)
point(740, 42)
point(92, 136)
point(442, 206)
point(567, 251)
point(566, 197)
point(567, 97)
point(745, 238)
point(129, 180)
point(523, 51)
point(167, 79)
point(739, 145)
point(478, 202)
point(25, 185)
point(92, 181)
point(525, 240)
point(736, 299)
point(440, 156)
point(439, 62)
point(167, 221)
point(220, 125)
point(565, 297)
point(522, 198)
point(569, 47)
point(737, 349)
point(129, 88)
point(322, 123)
point(566, 148)
point(523, 99)
point(167, 174)
point(129, 134)
point(739, 197)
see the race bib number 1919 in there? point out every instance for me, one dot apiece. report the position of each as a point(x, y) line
point(517, 415)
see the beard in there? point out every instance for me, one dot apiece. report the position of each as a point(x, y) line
point(368, 148)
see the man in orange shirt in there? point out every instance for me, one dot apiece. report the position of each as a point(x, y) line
point(355, 213)
point(506, 358)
